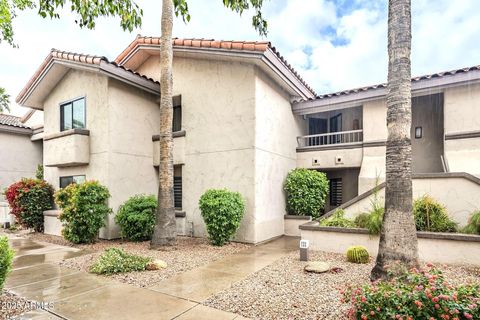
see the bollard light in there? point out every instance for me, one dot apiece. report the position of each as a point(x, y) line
point(304, 244)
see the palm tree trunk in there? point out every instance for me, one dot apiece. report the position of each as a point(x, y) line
point(398, 238)
point(165, 226)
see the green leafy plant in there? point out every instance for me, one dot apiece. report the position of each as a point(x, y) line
point(473, 226)
point(136, 217)
point(6, 259)
point(357, 254)
point(371, 220)
point(415, 294)
point(115, 260)
point(39, 172)
point(222, 211)
point(84, 210)
point(337, 219)
point(28, 198)
point(306, 191)
point(432, 216)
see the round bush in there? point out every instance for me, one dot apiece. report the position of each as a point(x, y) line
point(136, 217)
point(84, 210)
point(28, 198)
point(357, 254)
point(6, 258)
point(222, 211)
point(306, 191)
point(432, 216)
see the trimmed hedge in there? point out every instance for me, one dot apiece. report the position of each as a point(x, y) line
point(28, 198)
point(306, 191)
point(84, 210)
point(6, 259)
point(136, 217)
point(222, 211)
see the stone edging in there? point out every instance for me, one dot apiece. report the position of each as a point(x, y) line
point(293, 217)
point(314, 226)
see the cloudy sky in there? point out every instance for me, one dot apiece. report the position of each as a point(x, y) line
point(334, 44)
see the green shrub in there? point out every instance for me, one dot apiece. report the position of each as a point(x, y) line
point(115, 260)
point(6, 258)
point(418, 294)
point(306, 191)
point(28, 198)
point(337, 219)
point(473, 226)
point(136, 217)
point(432, 216)
point(222, 211)
point(84, 210)
point(357, 254)
point(39, 172)
point(371, 220)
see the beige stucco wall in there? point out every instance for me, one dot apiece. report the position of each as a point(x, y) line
point(73, 149)
point(178, 151)
point(461, 108)
point(327, 159)
point(218, 115)
point(429, 250)
point(19, 158)
point(94, 88)
point(292, 226)
point(460, 197)
point(276, 129)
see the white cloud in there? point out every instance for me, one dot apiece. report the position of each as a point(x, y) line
point(333, 46)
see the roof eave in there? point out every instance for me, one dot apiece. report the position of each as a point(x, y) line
point(419, 87)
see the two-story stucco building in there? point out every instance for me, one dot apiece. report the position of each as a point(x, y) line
point(243, 118)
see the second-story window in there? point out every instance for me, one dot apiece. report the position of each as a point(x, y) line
point(72, 115)
point(177, 113)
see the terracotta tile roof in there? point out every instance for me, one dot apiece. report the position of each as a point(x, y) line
point(252, 46)
point(13, 121)
point(384, 85)
point(72, 57)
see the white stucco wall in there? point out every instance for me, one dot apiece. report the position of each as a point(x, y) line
point(19, 157)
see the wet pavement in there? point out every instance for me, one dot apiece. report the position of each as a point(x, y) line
point(78, 295)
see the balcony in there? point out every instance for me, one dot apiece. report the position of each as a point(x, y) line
point(330, 150)
point(329, 140)
point(178, 148)
point(67, 148)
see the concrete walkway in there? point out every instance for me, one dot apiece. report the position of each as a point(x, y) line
point(79, 295)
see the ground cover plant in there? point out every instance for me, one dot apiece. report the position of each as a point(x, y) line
point(115, 260)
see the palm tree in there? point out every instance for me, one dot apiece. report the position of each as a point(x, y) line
point(165, 225)
point(398, 237)
point(4, 100)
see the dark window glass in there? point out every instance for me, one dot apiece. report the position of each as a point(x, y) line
point(177, 191)
point(177, 119)
point(72, 115)
point(335, 192)
point(65, 181)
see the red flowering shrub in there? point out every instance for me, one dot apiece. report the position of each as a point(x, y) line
point(418, 294)
point(28, 198)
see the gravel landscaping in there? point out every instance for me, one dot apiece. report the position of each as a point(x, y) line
point(188, 254)
point(12, 305)
point(283, 290)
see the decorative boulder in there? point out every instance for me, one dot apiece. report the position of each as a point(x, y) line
point(156, 265)
point(317, 267)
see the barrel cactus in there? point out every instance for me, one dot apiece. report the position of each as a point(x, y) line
point(357, 254)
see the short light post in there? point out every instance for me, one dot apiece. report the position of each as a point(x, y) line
point(304, 244)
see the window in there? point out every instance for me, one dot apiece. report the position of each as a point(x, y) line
point(336, 192)
point(177, 114)
point(72, 114)
point(418, 132)
point(65, 181)
point(177, 187)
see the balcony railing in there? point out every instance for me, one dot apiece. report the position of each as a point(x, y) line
point(324, 139)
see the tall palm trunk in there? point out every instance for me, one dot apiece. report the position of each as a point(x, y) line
point(165, 228)
point(398, 238)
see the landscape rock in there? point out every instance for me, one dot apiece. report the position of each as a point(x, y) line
point(317, 267)
point(156, 265)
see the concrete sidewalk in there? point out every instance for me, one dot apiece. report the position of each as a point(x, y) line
point(79, 295)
